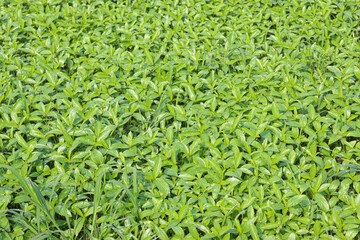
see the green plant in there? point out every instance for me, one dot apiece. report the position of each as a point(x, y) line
point(194, 119)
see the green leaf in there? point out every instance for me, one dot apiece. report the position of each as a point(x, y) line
point(295, 200)
point(162, 185)
point(21, 140)
point(157, 167)
point(253, 231)
point(78, 226)
point(269, 226)
point(321, 202)
point(105, 132)
point(97, 196)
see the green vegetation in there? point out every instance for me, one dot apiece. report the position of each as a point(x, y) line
point(194, 119)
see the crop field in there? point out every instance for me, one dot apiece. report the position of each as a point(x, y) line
point(184, 119)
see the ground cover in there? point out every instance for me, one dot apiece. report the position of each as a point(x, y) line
point(192, 119)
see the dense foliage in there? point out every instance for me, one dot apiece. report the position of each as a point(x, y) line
point(194, 119)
